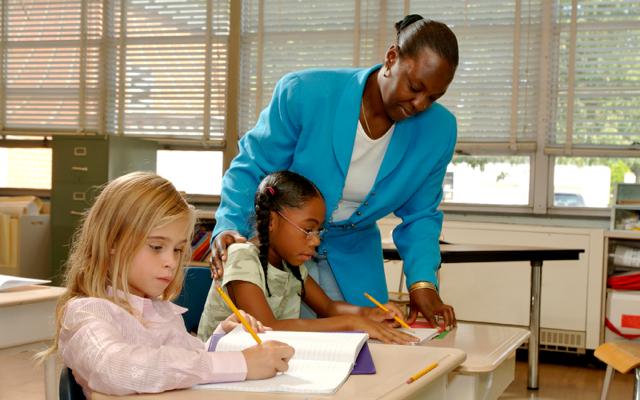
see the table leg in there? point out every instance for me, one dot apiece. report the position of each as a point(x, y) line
point(534, 325)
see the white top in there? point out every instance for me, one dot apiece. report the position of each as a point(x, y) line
point(363, 169)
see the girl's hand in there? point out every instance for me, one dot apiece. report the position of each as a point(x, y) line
point(382, 332)
point(377, 314)
point(232, 321)
point(267, 359)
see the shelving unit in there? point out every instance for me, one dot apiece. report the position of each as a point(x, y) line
point(208, 217)
point(626, 204)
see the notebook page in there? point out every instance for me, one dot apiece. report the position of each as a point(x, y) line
point(423, 334)
point(319, 346)
point(309, 377)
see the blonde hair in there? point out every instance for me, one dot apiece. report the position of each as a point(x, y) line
point(117, 226)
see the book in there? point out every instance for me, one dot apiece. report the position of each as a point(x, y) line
point(8, 282)
point(321, 364)
point(421, 333)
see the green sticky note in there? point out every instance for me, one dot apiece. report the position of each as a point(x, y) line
point(442, 334)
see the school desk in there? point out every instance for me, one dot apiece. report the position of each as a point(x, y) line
point(27, 315)
point(394, 365)
point(490, 364)
point(478, 253)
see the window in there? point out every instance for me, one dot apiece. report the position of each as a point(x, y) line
point(25, 168)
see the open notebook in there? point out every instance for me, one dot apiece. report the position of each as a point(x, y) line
point(323, 361)
point(423, 334)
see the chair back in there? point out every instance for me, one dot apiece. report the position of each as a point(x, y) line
point(197, 282)
point(69, 388)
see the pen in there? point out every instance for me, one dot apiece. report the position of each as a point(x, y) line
point(424, 371)
point(404, 324)
point(237, 313)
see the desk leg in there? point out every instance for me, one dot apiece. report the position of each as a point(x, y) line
point(534, 325)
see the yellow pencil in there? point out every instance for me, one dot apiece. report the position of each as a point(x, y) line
point(424, 371)
point(237, 313)
point(404, 324)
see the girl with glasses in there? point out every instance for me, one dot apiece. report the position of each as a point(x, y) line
point(267, 278)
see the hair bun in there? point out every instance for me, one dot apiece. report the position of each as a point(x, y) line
point(408, 20)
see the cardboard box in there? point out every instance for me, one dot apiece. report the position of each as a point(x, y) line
point(623, 311)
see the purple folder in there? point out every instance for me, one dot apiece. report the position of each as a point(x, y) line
point(364, 361)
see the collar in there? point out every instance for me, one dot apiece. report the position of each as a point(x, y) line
point(151, 309)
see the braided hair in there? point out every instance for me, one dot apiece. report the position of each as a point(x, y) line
point(280, 191)
point(415, 34)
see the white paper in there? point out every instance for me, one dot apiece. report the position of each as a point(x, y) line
point(423, 334)
point(7, 282)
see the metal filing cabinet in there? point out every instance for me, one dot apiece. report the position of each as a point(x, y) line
point(80, 166)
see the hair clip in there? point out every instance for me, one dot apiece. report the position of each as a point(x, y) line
point(271, 190)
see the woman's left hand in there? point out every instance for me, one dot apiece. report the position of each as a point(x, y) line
point(379, 315)
point(429, 304)
point(232, 321)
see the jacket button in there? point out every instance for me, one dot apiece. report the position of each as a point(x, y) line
point(359, 213)
point(344, 227)
point(373, 192)
point(352, 225)
point(325, 252)
point(366, 204)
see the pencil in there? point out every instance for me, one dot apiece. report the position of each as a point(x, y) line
point(423, 372)
point(237, 313)
point(404, 324)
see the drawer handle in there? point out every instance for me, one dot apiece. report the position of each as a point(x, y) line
point(79, 151)
point(78, 196)
point(76, 213)
point(85, 169)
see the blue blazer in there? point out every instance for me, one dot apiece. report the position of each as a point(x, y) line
point(309, 127)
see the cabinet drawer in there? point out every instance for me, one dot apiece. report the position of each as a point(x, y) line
point(69, 202)
point(80, 161)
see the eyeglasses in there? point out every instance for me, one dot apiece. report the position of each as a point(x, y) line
point(310, 234)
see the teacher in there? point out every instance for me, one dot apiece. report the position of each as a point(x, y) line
point(375, 142)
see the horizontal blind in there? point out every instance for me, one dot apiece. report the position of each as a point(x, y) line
point(42, 64)
point(603, 100)
point(280, 36)
point(160, 48)
point(481, 94)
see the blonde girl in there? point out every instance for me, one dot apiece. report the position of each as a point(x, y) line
point(117, 330)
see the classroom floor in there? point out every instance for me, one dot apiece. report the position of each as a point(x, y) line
point(562, 377)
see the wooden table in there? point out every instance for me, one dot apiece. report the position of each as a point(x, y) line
point(394, 365)
point(27, 319)
point(490, 364)
point(469, 253)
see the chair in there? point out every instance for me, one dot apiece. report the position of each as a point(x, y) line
point(623, 357)
point(69, 388)
point(197, 282)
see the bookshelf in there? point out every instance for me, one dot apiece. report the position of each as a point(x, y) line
point(206, 219)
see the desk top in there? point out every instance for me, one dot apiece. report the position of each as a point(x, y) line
point(470, 253)
point(487, 346)
point(29, 294)
point(394, 365)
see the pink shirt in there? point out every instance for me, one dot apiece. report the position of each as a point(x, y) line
point(117, 354)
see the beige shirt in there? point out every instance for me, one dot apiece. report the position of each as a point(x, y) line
point(243, 264)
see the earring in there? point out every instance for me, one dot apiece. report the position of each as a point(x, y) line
point(385, 73)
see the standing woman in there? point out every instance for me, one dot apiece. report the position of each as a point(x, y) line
point(375, 142)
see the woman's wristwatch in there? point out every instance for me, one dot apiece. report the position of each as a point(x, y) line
point(422, 285)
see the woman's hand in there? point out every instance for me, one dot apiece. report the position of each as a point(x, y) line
point(232, 321)
point(429, 304)
point(382, 332)
point(219, 250)
point(267, 359)
point(379, 315)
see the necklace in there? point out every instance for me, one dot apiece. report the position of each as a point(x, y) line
point(365, 120)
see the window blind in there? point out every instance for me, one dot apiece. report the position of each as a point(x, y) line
point(151, 68)
point(284, 36)
point(596, 81)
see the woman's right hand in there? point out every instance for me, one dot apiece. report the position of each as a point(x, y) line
point(381, 331)
point(219, 250)
point(267, 359)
